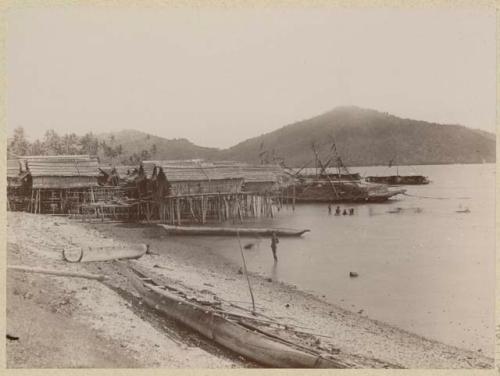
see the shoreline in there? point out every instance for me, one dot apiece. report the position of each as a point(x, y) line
point(373, 342)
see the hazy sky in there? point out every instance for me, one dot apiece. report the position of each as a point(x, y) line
point(219, 76)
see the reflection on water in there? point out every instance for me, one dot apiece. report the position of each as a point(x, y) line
point(274, 271)
point(421, 265)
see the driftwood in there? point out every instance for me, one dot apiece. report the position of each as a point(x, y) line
point(90, 254)
point(27, 269)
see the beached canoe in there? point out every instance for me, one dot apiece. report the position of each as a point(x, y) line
point(106, 253)
point(230, 231)
point(229, 332)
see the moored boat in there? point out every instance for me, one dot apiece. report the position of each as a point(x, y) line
point(341, 192)
point(231, 231)
point(335, 185)
point(399, 179)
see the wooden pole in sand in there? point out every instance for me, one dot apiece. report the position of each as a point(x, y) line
point(98, 277)
point(246, 273)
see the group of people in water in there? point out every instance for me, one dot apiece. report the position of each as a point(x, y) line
point(338, 211)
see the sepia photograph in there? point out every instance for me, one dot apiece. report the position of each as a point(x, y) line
point(249, 185)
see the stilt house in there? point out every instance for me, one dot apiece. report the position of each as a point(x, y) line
point(190, 178)
point(17, 186)
point(60, 184)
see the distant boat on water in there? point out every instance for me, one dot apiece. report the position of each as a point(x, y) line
point(399, 179)
point(335, 185)
point(342, 191)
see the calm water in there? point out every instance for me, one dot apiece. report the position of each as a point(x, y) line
point(426, 269)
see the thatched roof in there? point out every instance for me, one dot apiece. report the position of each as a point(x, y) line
point(253, 173)
point(62, 166)
point(186, 173)
point(262, 173)
point(199, 171)
point(13, 168)
point(175, 173)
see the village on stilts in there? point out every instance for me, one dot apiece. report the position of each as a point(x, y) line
point(194, 198)
point(228, 186)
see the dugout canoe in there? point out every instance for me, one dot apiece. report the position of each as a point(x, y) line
point(231, 231)
point(104, 253)
point(230, 333)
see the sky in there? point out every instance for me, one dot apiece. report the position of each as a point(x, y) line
point(218, 76)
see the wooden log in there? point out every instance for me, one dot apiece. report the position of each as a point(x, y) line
point(103, 253)
point(27, 269)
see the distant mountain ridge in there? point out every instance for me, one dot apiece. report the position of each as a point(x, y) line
point(362, 137)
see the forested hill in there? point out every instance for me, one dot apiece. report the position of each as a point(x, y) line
point(367, 137)
point(136, 145)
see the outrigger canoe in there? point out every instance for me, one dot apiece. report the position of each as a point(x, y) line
point(230, 231)
point(229, 332)
point(106, 253)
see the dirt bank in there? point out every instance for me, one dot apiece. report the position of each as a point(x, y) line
point(102, 311)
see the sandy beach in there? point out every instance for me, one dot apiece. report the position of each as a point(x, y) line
point(74, 322)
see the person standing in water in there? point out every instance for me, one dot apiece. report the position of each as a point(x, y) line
point(274, 246)
point(329, 208)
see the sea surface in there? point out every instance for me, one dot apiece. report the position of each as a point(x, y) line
point(424, 268)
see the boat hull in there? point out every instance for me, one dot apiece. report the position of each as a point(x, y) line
point(228, 333)
point(330, 198)
point(399, 180)
point(230, 231)
point(341, 192)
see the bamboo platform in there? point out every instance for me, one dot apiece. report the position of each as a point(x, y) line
point(218, 207)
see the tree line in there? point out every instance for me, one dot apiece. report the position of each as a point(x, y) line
point(71, 144)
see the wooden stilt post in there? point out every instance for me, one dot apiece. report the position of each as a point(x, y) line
point(30, 204)
point(178, 204)
point(203, 210)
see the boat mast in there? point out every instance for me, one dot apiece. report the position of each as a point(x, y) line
point(397, 166)
point(324, 170)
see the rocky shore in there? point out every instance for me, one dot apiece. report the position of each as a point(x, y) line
point(73, 322)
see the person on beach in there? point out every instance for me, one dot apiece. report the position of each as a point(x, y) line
point(274, 246)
